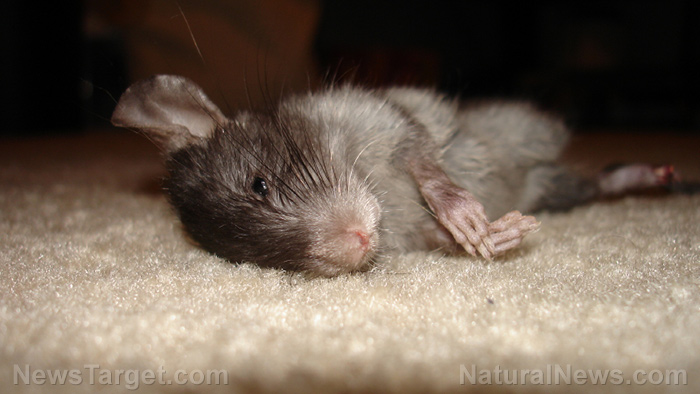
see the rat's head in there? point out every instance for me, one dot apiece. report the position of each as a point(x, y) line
point(266, 188)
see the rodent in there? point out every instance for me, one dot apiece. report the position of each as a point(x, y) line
point(324, 181)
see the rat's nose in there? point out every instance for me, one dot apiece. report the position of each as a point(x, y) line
point(363, 239)
point(355, 244)
point(349, 247)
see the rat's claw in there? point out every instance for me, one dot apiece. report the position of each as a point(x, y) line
point(469, 248)
point(490, 247)
point(484, 252)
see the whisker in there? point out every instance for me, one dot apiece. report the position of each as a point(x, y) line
point(201, 57)
point(423, 207)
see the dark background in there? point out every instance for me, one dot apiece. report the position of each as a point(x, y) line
point(627, 65)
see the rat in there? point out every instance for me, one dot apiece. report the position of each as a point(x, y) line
point(324, 182)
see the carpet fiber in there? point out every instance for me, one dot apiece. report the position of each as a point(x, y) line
point(98, 283)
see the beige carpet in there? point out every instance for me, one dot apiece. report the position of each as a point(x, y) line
point(97, 282)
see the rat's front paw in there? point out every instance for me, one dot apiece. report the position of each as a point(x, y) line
point(508, 231)
point(463, 216)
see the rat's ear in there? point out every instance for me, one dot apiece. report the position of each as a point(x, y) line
point(171, 110)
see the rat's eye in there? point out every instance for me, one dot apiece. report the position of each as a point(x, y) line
point(260, 187)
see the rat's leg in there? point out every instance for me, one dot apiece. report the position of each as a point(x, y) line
point(553, 187)
point(620, 179)
point(464, 217)
point(454, 207)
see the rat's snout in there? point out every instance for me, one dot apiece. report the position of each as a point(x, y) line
point(348, 235)
point(355, 245)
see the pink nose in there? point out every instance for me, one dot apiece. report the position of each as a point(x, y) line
point(363, 238)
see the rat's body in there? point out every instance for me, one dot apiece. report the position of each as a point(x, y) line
point(323, 181)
